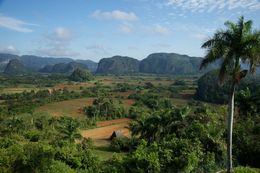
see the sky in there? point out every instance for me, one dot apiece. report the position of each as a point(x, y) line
point(95, 29)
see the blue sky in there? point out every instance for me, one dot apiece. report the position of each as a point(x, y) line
point(94, 29)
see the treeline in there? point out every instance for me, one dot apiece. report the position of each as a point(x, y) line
point(36, 80)
point(44, 80)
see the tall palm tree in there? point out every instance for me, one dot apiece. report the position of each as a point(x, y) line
point(233, 46)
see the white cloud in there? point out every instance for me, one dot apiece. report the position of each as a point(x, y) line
point(58, 43)
point(201, 6)
point(14, 24)
point(126, 28)
point(9, 49)
point(60, 35)
point(158, 29)
point(115, 15)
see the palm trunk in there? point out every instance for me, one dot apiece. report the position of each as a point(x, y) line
point(230, 129)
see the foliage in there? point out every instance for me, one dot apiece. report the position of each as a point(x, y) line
point(123, 144)
point(248, 102)
point(44, 144)
point(246, 140)
point(188, 142)
point(105, 108)
point(245, 170)
point(210, 90)
point(80, 75)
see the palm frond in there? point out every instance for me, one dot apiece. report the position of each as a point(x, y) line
point(248, 26)
point(235, 44)
point(230, 25)
point(211, 56)
point(228, 58)
point(216, 48)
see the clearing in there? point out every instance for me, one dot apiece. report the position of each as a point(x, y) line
point(71, 108)
point(101, 136)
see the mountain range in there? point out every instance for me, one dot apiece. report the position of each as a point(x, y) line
point(37, 63)
point(156, 63)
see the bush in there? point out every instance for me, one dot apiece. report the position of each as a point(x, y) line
point(180, 82)
point(245, 170)
point(33, 135)
point(80, 75)
point(120, 144)
point(58, 166)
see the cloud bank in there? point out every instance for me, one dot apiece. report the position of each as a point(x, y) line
point(115, 15)
point(58, 43)
point(14, 24)
point(214, 5)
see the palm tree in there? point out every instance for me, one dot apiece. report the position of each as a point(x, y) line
point(69, 131)
point(233, 46)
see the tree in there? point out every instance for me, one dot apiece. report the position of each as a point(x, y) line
point(69, 129)
point(80, 75)
point(233, 46)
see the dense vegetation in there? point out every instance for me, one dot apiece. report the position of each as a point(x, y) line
point(210, 90)
point(105, 108)
point(81, 75)
point(166, 137)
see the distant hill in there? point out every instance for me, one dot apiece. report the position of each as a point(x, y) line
point(170, 63)
point(15, 67)
point(35, 63)
point(92, 66)
point(4, 60)
point(156, 63)
point(118, 65)
point(63, 67)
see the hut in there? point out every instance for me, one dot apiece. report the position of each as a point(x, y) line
point(117, 134)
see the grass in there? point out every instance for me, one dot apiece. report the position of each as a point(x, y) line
point(241, 169)
point(179, 101)
point(66, 108)
point(16, 90)
point(104, 153)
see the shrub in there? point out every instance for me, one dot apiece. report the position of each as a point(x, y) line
point(245, 170)
point(120, 144)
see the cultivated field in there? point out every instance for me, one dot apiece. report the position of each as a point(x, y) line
point(66, 108)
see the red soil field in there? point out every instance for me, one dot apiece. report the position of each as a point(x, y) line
point(106, 128)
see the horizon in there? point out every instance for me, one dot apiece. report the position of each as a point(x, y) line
point(87, 29)
point(103, 57)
